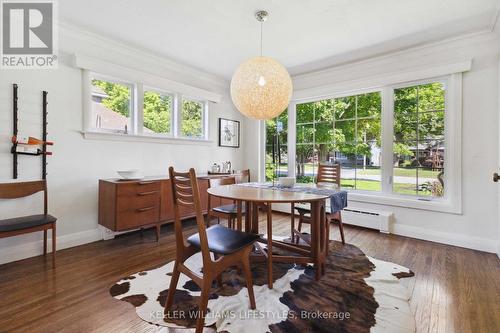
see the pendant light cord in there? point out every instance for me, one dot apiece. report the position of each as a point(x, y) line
point(261, 42)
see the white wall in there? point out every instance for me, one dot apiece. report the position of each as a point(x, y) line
point(477, 227)
point(78, 163)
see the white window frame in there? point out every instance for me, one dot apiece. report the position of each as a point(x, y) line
point(451, 202)
point(132, 103)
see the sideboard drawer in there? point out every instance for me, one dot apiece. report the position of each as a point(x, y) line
point(140, 188)
point(135, 217)
point(136, 201)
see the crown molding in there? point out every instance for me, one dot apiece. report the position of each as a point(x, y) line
point(189, 74)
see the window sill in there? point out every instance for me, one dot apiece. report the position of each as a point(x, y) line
point(94, 135)
point(437, 205)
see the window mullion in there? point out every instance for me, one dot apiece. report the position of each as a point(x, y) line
point(138, 110)
point(387, 133)
point(177, 115)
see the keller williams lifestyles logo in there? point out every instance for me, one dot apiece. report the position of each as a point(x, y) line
point(29, 38)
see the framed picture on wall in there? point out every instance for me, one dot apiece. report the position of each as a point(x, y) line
point(229, 133)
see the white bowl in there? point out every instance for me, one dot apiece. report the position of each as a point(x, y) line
point(286, 181)
point(129, 174)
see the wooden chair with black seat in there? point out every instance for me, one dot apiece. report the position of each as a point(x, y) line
point(329, 174)
point(30, 223)
point(228, 211)
point(229, 247)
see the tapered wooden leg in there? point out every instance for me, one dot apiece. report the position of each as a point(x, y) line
point(315, 238)
point(248, 277)
point(202, 309)
point(292, 217)
point(54, 249)
point(171, 289)
point(248, 216)
point(239, 215)
point(44, 242)
point(269, 246)
point(341, 227)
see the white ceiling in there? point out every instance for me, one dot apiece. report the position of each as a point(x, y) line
point(305, 35)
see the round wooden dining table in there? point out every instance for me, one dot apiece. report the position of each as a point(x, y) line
point(300, 253)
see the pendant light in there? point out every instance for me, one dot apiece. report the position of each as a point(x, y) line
point(261, 87)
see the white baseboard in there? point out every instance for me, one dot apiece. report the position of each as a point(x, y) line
point(448, 238)
point(469, 242)
point(31, 249)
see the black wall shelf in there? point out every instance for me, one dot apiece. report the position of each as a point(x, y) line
point(15, 130)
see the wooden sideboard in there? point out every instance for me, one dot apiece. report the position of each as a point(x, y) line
point(135, 204)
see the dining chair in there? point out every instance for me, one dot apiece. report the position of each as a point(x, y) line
point(229, 211)
point(29, 223)
point(242, 176)
point(229, 247)
point(327, 174)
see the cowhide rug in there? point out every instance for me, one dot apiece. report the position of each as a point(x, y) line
point(357, 294)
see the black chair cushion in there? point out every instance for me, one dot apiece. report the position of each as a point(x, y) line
point(25, 222)
point(222, 240)
point(229, 209)
point(307, 210)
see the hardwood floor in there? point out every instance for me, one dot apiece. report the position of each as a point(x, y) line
point(454, 289)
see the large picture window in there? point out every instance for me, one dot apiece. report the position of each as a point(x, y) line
point(343, 130)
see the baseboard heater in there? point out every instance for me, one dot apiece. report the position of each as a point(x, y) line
point(367, 218)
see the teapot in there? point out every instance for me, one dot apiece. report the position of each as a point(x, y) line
point(215, 168)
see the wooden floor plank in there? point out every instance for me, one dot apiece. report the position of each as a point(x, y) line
point(454, 290)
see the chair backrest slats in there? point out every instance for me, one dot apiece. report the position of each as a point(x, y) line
point(242, 176)
point(328, 173)
point(185, 192)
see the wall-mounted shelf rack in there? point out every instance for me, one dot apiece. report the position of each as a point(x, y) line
point(15, 128)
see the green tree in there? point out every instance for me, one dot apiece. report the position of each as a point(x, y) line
point(157, 112)
point(118, 96)
point(192, 118)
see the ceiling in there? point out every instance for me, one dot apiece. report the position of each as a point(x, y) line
point(305, 35)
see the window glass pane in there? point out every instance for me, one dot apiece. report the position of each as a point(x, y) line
point(431, 125)
point(305, 133)
point(192, 118)
point(157, 112)
point(110, 105)
point(276, 147)
point(368, 172)
point(431, 97)
point(419, 119)
point(324, 110)
point(369, 129)
point(305, 113)
point(369, 105)
point(347, 160)
point(306, 163)
point(345, 108)
point(346, 130)
point(323, 132)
